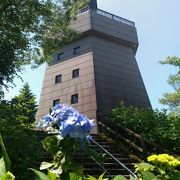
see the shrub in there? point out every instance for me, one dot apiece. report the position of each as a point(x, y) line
point(160, 167)
point(157, 126)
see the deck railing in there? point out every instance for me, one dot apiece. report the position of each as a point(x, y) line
point(106, 14)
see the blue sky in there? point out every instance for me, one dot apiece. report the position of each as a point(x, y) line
point(158, 27)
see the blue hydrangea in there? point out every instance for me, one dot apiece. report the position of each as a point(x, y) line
point(69, 121)
point(45, 122)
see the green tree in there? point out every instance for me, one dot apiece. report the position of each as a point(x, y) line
point(22, 144)
point(31, 30)
point(26, 106)
point(173, 99)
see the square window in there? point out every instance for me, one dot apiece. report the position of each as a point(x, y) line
point(74, 99)
point(58, 79)
point(77, 50)
point(55, 102)
point(75, 73)
point(60, 56)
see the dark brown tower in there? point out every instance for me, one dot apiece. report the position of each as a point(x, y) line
point(98, 70)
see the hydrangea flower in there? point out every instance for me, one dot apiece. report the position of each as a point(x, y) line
point(68, 120)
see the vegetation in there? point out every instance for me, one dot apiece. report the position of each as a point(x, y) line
point(5, 163)
point(160, 167)
point(21, 140)
point(26, 106)
point(73, 128)
point(156, 126)
point(173, 99)
point(31, 31)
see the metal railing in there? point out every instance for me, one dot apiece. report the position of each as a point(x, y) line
point(114, 158)
point(103, 151)
point(106, 14)
point(85, 9)
point(142, 146)
point(114, 17)
point(130, 138)
point(101, 166)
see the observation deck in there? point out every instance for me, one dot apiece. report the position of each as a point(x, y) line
point(106, 25)
point(107, 14)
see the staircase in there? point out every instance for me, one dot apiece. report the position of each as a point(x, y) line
point(115, 163)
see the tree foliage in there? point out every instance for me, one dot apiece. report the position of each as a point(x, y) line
point(173, 99)
point(156, 126)
point(26, 106)
point(22, 144)
point(31, 30)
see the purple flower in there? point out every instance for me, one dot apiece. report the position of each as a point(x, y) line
point(69, 121)
point(45, 122)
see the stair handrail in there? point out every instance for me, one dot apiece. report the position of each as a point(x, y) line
point(141, 148)
point(100, 165)
point(114, 158)
point(133, 145)
point(143, 141)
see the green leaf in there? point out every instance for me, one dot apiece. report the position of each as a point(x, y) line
point(39, 175)
point(74, 176)
point(89, 178)
point(119, 177)
point(45, 165)
point(75, 167)
point(52, 176)
point(132, 178)
point(2, 167)
point(148, 176)
point(161, 171)
point(5, 155)
point(51, 145)
point(101, 176)
point(8, 176)
point(175, 175)
point(98, 157)
point(140, 167)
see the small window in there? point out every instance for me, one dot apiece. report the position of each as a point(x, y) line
point(60, 56)
point(77, 50)
point(74, 99)
point(55, 102)
point(58, 79)
point(75, 73)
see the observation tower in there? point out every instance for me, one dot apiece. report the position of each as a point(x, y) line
point(97, 71)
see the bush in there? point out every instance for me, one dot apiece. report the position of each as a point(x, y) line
point(160, 167)
point(156, 126)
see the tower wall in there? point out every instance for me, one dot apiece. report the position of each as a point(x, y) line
point(108, 71)
point(84, 85)
point(117, 76)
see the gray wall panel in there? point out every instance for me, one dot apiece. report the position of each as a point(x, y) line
point(117, 76)
point(111, 27)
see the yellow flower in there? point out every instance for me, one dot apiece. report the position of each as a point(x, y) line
point(174, 162)
point(152, 158)
point(164, 159)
